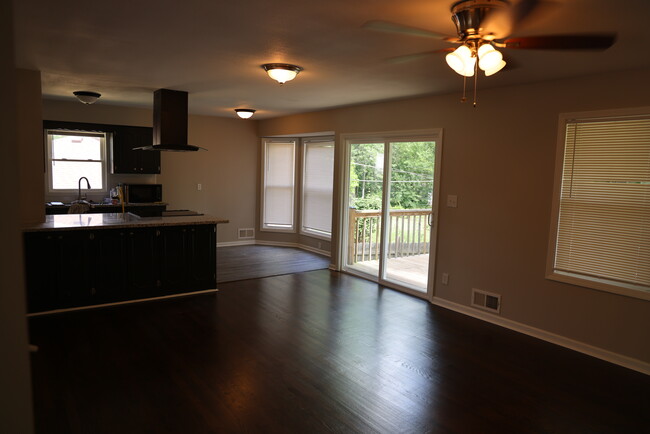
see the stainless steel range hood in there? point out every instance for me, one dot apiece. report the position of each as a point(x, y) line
point(170, 122)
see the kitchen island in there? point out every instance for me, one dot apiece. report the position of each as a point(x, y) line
point(82, 260)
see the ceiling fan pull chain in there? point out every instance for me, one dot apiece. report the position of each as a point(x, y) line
point(464, 98)
point(475, 80)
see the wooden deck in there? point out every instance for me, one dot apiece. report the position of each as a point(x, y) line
point(411, 270)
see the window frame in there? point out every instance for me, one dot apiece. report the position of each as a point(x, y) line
point(303, 145)
point(264, 227)
point(49, 132)
point(601, 284)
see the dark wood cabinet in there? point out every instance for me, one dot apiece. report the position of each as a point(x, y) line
point(86, 267)
point(127, 160)
point(202, 255)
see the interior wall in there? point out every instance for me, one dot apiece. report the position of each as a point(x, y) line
point(498, 158)
point(30, 146)
point(226, 172)
point(16, 414)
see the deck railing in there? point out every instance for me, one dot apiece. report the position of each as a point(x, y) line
point(409, 232)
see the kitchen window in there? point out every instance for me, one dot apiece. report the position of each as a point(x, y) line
point(600, 234)
point(317, 175)
point(278, 185)
point(75, 154)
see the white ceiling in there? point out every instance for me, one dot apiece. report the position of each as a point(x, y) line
point(126, 49)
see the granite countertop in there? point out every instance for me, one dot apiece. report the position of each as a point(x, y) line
point(99, 205)
point(116, 220)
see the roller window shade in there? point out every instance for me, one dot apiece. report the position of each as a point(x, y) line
point(279, 184)
point(604, 213)
point(317, 187)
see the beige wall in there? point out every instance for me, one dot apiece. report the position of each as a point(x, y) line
point(499, 159)
point(30, 146)
point(15, 386)
point(227, 171)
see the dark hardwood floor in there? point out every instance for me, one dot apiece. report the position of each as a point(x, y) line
point(316, 352)
point(251, 262)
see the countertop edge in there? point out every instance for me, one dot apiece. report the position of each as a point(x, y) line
point(76, 222)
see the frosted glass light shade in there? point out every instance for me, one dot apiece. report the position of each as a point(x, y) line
point(245, 113)
point(87, 97)
point(282, 72)
point(489, 58)
point(459, 59)
point(496, 69)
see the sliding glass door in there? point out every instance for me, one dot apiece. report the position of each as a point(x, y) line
point(390, 222)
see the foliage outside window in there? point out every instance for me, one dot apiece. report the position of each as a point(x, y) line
point(75, 154)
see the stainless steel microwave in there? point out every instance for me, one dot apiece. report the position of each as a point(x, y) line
point(142, 193)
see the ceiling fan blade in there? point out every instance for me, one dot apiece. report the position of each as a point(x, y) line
point(387, 26)
point(417, 56)
point(563, 42)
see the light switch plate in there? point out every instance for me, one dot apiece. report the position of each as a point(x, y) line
point(452, 201)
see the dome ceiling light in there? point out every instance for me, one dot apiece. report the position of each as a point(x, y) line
point(245, 113)
point(87, 97)
point(281, 72)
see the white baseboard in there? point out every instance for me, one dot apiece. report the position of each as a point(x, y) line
point(296, 245)
point(608, 356)
point(236, 243)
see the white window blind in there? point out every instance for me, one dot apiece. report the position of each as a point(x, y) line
point(279, 175)
point(318, 174)
point(603, 227)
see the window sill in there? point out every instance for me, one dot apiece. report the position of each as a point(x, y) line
point(625, 289)
point(316, 235)
point(281, 230)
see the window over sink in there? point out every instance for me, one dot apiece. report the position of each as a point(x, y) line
point(75, 154)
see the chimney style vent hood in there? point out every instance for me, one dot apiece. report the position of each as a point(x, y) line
point(170, 122)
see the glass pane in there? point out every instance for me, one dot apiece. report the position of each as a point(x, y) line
point(76, 147)
point(365, 197)
point(411, 195)
point(66, 174)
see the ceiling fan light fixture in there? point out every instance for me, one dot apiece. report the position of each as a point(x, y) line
point(245, 113)
point(489, 57)
point(86, 96)
point(460, 60)
point(282, 72)
point(495, 69)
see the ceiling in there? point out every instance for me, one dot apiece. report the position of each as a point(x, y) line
point(213, 49)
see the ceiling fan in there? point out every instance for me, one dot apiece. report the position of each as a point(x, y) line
point(485, 25)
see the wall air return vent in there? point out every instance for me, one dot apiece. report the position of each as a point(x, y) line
point(486, 300)
point(246, 233)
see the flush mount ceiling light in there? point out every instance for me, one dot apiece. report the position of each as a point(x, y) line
point(281, 72)
point(87, 97)
point(245, 113)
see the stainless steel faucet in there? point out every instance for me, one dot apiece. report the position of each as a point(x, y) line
point(79, 198)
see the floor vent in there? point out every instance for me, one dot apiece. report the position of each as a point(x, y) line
point(246, 233)
point(486, 300)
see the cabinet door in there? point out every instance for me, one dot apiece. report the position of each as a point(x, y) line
point(41, 271)
point(108, 255)
point(142, 266)
point(202, 257)
point(56, 269)
point(125, 160)
point(174, 258)
point(148, 161)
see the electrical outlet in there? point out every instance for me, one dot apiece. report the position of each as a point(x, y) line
point(445, 278)
point(452, 201)
point(199, 187)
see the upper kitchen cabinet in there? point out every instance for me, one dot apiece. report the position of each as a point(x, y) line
point(127, 160)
